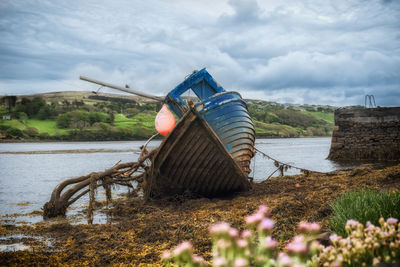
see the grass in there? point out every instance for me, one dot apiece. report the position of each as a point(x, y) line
point(328, 117)
point(363, 206)
point(145, 120)
point(47, 126)
point(270, 129)
point(43, 126)
point(13, 123)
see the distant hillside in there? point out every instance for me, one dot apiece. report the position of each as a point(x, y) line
point(73, 115)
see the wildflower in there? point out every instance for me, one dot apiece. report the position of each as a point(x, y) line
point(220, 262)
point(254, 219)
point(309, 227)
point(240, 262)
point(297, 245)
point(233, 232)
point(284, 259)
point(334, 238)
point(241, 243)
point(266, 224)
point(246, 234)
point(166, 255)
point(264, 210)
point(392, 221)
point(223, 244)
point(197, 259)
point(270, 243)
point(220, 228)
point(185, 246)
point(352, 223)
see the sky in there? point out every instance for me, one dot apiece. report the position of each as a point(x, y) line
point(300, 52)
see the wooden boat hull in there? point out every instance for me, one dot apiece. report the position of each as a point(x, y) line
point(193, 158)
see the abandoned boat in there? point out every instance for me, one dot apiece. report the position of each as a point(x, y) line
point(193, 158)
point(210, 149)
point(225, 112)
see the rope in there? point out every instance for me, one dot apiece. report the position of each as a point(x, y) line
point(281, 166)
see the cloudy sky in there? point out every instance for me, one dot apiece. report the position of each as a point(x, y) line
point(314, 52)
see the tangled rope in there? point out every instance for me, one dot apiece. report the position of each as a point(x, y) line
point(282, 167)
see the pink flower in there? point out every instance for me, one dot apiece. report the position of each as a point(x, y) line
point(241, 243)
point(334, 238)
point(284, 259)
point(264, 210)
point(220, 228)
point(391, 221)
point(254, 218)
point(183, 247)
point(233, 232)
point(166, 255)
point(223, 244)
point(297, 245)
point(246, 234)
point(219, 262)
point(266, 224)
point(352, 223)
point(197, 259)
point(309, 227)
point(240, 262)
point(270, 243)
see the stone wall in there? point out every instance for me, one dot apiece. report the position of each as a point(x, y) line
point(368, 134)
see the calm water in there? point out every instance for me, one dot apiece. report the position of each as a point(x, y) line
point(30, 178)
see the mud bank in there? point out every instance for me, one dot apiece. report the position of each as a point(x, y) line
point(139, 232)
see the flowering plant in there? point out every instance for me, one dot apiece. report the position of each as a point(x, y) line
point(256, 247)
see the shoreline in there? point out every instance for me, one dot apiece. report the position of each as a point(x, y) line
point(140, 231)
point(128, 140)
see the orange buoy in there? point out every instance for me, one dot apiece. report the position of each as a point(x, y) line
point(164, 121)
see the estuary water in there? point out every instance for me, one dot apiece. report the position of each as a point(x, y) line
point(30, 171)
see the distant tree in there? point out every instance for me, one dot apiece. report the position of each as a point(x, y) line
point(22, 117)
point(14, 132)
point(44, 113)
point(64, 120)
point(30, 107)
point(31, 131)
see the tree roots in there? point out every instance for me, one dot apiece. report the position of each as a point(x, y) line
point(72, 189)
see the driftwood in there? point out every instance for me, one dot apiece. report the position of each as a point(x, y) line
point(120, 174)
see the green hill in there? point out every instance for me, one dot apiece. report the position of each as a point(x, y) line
point(100, 116)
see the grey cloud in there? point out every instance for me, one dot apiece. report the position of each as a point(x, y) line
point(298, 51)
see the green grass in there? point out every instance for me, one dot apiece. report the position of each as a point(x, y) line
point(272, 129)
point(328, 117)
point(43, 126)
point(13, 123)
point(363, 206)
point(47, 126)
point(145, 120)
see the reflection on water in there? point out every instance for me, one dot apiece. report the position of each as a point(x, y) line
point(31, 178)
point(15, 242)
